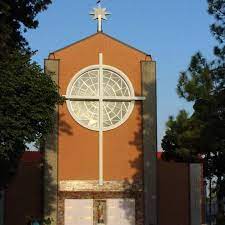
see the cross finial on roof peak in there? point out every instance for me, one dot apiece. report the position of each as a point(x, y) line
point(99, 14)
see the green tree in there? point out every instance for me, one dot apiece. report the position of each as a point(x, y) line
point(217, 10)
point(16, 16)
point(28, 96)
point(203, 133)
point(181, 139)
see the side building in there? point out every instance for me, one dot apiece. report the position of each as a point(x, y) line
point(25, 194)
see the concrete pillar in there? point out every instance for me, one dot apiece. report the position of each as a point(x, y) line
point(195, 177)
point(148, 69)
point(51, 156)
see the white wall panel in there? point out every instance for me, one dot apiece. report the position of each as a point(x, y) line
point(78, 212)
point(120, 212)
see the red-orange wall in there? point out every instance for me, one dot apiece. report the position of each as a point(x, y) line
point(23, 198)
point(78, 148)
point(25, 194)
point(173, 193)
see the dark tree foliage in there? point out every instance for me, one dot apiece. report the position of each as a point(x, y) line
point(181, 139)
point(195, 85)
point(196, 82)
point(16, 16)
point(203, 133)
point(217, 10)
point(28, 96)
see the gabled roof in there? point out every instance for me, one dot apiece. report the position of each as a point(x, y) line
point(98, 33)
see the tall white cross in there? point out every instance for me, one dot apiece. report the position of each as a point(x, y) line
point(101, 99)
point(99, 14)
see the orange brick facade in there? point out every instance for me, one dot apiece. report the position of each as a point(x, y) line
point(78, 149)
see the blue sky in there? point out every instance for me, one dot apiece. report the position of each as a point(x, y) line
point(171, 31)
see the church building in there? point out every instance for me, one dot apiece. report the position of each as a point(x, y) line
point(100, 163)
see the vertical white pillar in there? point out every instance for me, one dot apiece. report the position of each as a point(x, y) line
point(99, 23)
point(195, 193)
point(100, 119)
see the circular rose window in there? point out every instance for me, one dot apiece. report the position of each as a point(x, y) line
point(94, 100)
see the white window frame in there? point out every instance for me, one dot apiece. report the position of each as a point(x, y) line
point(131, 98)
